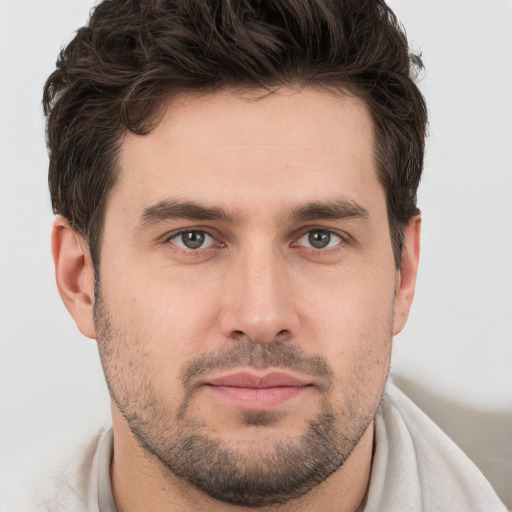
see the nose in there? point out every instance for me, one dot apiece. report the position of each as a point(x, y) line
point(259, 300)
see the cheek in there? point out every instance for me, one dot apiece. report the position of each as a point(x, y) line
point(356, 338)
point(171, 316)
point(350, 319)
point(351, 303)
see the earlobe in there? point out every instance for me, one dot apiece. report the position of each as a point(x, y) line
point(74, 274)
point(406, 281)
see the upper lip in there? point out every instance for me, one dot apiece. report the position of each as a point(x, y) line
point(251, 380)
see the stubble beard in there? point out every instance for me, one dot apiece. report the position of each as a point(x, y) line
point(254, 475)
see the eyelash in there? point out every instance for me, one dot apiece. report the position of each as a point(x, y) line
point(329, 232)
point(169, 239)
point(342, 239)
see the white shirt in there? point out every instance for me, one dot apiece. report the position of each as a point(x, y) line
point(415, 468)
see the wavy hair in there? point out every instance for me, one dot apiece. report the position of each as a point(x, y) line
point(135, 54)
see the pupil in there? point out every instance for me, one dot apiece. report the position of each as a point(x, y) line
point(193, 239)
point(319, 239)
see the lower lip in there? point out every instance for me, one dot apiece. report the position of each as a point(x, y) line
point(257, 398)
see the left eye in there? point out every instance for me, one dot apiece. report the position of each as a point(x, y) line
point(192, 240)
point(319, 239)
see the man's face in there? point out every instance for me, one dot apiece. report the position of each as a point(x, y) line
point(247, 281)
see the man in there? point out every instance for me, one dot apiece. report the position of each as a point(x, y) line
point(236, 190)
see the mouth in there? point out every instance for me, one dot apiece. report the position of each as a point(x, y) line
point(249, 391)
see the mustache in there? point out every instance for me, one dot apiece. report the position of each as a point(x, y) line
point(258, 356)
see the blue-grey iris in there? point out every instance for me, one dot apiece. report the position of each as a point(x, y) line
point(319, 239)
point(193, 239)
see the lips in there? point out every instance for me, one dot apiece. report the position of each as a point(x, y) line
point(257, 392)
point(249, 380)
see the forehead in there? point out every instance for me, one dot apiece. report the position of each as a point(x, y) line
point(238, 148)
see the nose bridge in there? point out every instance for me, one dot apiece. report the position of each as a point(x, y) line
point(259, 305)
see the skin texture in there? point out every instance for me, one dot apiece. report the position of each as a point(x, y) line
point(275, 175)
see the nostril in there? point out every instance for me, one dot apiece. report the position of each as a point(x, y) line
point(283, 335)
point(241, 336)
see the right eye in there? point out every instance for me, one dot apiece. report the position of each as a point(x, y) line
point(192, 240)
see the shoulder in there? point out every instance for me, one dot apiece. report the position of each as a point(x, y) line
point(57, 479)
point(417, 466)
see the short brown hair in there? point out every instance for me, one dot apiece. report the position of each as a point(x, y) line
point(134, 54)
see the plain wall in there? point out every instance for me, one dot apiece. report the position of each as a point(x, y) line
point(454, 357)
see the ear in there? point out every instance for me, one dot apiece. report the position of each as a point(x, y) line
point(406, 277)
point(74, 274)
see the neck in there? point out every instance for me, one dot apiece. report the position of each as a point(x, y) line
point(140, 482)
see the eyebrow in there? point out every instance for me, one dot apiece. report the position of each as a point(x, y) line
point(177, 209)
point(330, 210)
